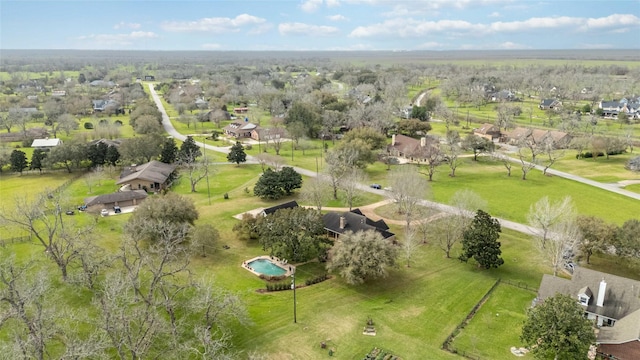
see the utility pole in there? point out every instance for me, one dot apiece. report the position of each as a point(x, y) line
point(293, 286)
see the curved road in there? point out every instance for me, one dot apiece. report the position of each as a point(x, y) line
point(168, 127)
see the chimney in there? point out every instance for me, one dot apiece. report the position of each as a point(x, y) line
point(393, 139)
point(423, 141)
point(601, 291)
point(343, 222)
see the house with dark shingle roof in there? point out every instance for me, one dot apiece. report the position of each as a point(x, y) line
point(337, 224)
point(287, 205)
point(121, 198)
point(550, 104)
point(612, 302)
point(153, 175)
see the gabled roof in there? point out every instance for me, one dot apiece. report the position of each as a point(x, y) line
point(46, 142)
point(407, 145)
point(154, 171)
point(115, 197)
point(236, 126)
point(287, 205)
point(624, 330)
point(354, 222)
point(486, 128)
point(621, 298)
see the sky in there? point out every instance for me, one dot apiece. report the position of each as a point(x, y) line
point(320, 25)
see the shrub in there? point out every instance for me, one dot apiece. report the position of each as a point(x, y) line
point(226, 196)
point(118, 123)
point(88, 125)
point(27, 142)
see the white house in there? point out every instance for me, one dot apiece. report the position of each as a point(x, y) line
point(45, 143)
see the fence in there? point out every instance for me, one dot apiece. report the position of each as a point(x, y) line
point(446, 345)
point(14, 240)
point(521, 285)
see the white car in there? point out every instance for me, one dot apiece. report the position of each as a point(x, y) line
point(104, 212)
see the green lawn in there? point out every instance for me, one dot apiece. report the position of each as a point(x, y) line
point(490, 181)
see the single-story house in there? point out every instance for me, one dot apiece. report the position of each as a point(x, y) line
point(154, 176)
point(102, 105)
point(612, 302)
point(202, 104)
point(102, 83)
point(45, 143)
point(239, 129)
point(408, 148)
point(240, 110)
point(268, 134)
point(149, 78)
point(59, 93)
point(488, 131)
point(121, 198)
point(503, 95)
point(560, 139)
point(336, 224)
point(287, 205)
point(550, 104)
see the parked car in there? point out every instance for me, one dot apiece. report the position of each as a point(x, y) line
point(104, 212)
point(69, 212)
point(117, 210)
point(376, 186)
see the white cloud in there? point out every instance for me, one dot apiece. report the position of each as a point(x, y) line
point(495, 14)
point(124, 25)
point(214, 25)
point(409, 27)
point(332, 3)
point(211, 46)
point(337, 17)
point(613, 20)
point(354, 47)
point(311, 5)
point(306, 29)
point(413, 28)
point(102, 40)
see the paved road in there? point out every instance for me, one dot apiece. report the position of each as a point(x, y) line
point(166, 123)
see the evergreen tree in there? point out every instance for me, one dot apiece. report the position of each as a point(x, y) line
point(112, 156)
point(289, 179)
point(169, 150)
point(189, 150)
point(480, 241)
point(97, 153)
point(37, 159)
point(18, 161)
point(268, 186)
point(237, 154)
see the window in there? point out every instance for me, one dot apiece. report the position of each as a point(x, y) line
point(584, 300)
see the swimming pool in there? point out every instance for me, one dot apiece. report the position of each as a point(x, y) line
point(266, 267)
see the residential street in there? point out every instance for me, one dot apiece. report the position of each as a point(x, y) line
point(166, 123)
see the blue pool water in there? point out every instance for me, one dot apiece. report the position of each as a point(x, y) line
point(265, 266)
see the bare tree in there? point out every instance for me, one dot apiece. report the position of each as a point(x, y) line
point(551, 153)
point(350, 183)
point(410, 245)
point(24, 297)
point(526, 164)
point(44, 220)
point(504, 159)
point(451, 152)
point(545, 214)
point(433, 157)
point(563, 238)
point(449, 230)
point(316, 191)
point(408, 188)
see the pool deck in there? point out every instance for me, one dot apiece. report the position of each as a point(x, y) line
point(290, 269)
